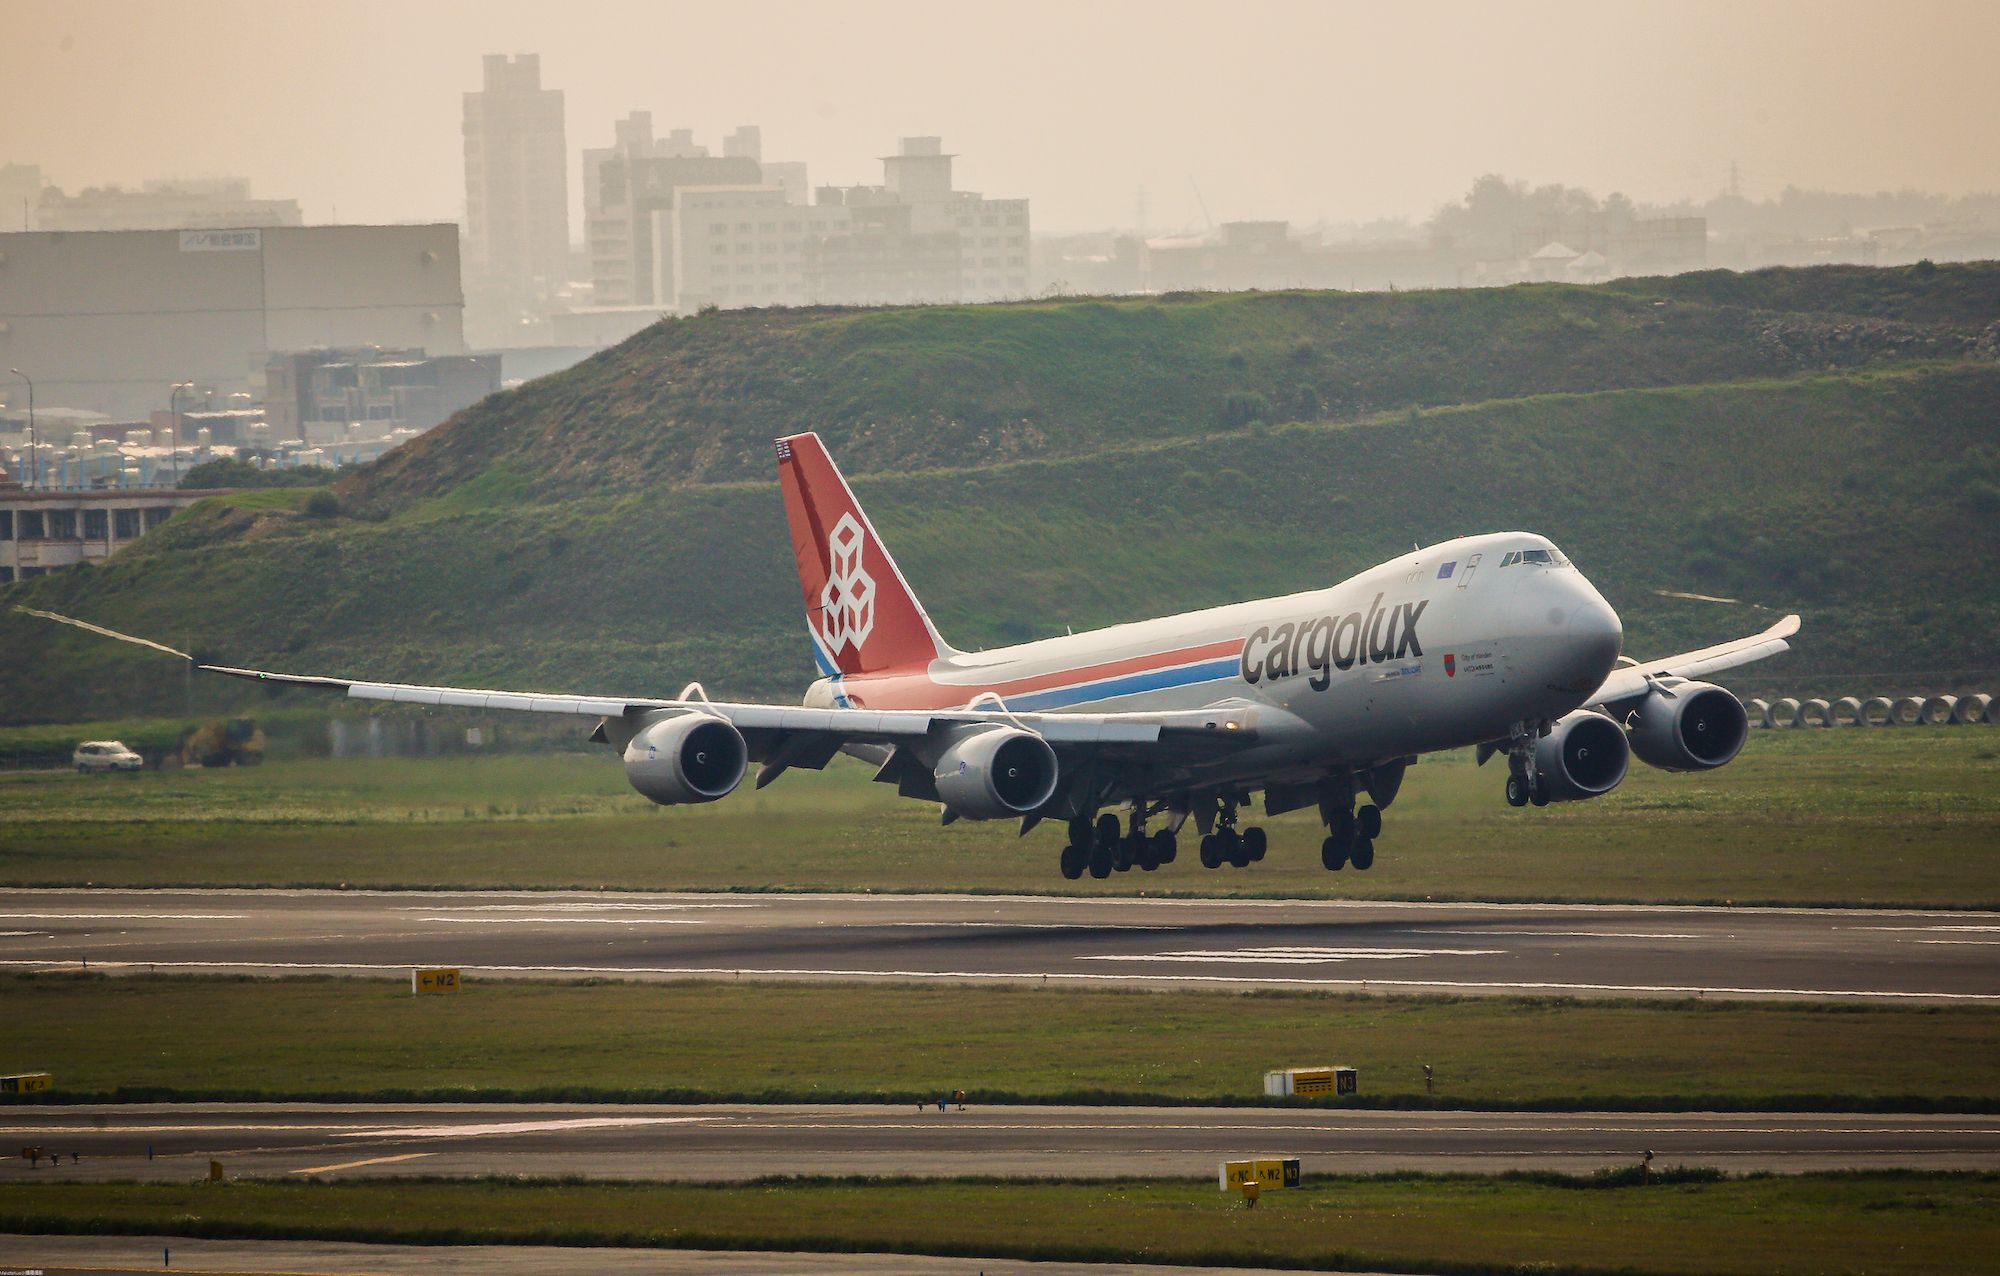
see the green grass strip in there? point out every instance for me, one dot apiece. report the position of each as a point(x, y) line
point(1461, 1224)
point(185, 1037)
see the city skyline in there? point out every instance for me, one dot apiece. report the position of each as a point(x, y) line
point(1316, 112)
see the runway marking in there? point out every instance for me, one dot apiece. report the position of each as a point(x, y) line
point(1928, 929)
point(355, 1165)
point(1284, 956)
point(1987, 942)
point(773, 972)
point(1564, 934)
point(514, 1127)
point(123, 917)
point(557, 906)
point(566, 921)
point(21, 934)
point(949, 925)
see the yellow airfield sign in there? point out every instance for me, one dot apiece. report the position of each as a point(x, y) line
point(1267, 1173)
point(436, 979)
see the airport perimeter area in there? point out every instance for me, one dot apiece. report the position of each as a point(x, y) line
point(707, 1070)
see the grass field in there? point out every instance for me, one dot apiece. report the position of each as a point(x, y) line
point(1823, 1223)
point(1869, 818)
point(351, 1038)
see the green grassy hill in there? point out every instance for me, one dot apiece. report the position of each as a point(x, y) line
point(1866, 496)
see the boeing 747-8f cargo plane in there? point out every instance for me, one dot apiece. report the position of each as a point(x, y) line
point(1311, 700)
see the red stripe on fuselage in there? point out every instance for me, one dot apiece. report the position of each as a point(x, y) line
point(917, 689)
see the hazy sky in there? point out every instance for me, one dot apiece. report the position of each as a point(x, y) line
point(1296, 110)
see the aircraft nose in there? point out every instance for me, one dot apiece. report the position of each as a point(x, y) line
point(1595, 632)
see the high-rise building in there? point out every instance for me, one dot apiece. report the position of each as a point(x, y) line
point(516, 185)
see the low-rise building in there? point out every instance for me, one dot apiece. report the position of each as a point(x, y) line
point(43, 531)
point(341, 395)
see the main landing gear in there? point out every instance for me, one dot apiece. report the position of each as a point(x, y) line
point(1227, 844)
point(1350, 837)
point(1103, 847)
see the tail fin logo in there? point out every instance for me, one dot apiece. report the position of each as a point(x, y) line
point(847, 604)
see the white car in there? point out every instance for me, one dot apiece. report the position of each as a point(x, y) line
point(106, 755)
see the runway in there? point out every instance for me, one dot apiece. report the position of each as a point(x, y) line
point(723, 1142)
point(1570, 950)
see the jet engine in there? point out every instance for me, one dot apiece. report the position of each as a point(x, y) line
point(996, 773)
point(1583, 756)
point(1688, 726)
point(686, 758)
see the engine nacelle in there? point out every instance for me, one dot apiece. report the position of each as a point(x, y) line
point(1583, 756)
point(685, 758)
point(1697, 727)
point(996, 773)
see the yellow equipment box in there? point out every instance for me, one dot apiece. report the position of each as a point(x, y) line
point(1311, 1082)
point(441, 979)
point(1268, 1173)
point(26, 1083)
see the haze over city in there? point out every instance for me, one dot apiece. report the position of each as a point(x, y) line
point(1308, 112)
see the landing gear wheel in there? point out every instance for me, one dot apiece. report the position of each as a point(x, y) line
point(1368, 822)
point(1074, 860)
point(1517, 791)
point(1254, 843)
point(1108, 831)
point(1100, 861)
point(1539, 795)
point(1164, 847)
point(1211, 851)
point(1233, 848)
point(1332, 854)
point(1363, 854)
point(1339, 841)
point(1143, 853)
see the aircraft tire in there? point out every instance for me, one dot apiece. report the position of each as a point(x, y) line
point(1233, 848)
point(1165, 847)
point(1108, 831)
point(1539, 795)
point(1517, 791)
point(1074, 861)
point(1332, 855)
point(1369, 821)
point(1254, 843)
point(1211, 852)
point(1363, 854)
point(1142, 853)
point(1100, 861)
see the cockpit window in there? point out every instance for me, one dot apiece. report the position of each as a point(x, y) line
point(1542, 557)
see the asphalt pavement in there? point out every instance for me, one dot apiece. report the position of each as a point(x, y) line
point(1571, 950)
point(725, 1142)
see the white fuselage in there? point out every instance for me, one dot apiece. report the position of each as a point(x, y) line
point(1451, 645)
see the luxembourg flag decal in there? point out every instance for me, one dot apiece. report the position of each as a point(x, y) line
point(1450, 665)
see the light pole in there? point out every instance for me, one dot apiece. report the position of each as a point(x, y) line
point(32, 461)
point(174, 442)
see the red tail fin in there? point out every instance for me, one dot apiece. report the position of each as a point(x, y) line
point(859, 609)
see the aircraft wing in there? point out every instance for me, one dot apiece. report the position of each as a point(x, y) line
point(1631, 681)
point(795, 735)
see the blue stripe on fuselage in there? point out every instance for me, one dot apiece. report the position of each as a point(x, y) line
point(1126, 685)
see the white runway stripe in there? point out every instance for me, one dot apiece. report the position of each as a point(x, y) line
point(513, 1127)
point(565, 921)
